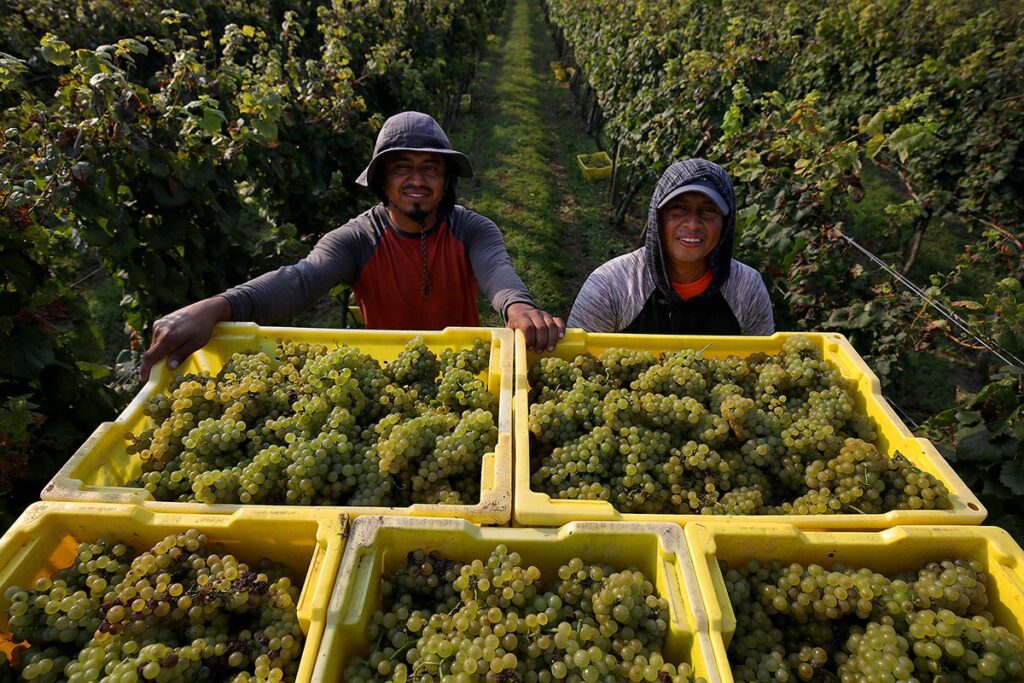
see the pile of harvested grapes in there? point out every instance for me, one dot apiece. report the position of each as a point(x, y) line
point(179, 611)
point(807, 623)
point(317, 426)
point(495, 620)
point(681, 433)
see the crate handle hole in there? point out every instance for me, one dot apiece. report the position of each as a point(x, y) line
point(972, 506)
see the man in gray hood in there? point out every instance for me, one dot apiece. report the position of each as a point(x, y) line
point(684, 280)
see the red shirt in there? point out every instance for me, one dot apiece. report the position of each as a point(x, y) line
point(390, 286)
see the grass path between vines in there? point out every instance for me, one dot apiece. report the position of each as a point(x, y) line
point(523, 138)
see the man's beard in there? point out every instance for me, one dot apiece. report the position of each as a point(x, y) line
point(417, 213)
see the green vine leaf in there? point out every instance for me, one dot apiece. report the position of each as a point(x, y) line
point(94, 370)
point(212, 120)
point(977, 445)
point(54, 50)
point(11, 68)
point(1012, 476)
point(26, 353)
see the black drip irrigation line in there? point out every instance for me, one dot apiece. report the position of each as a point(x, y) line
point(995, 348)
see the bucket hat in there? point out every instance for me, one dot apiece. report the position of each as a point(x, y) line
point(412, 131)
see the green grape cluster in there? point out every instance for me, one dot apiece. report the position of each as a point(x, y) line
point(474, 360)
point(576, 413)
point(686, 434)
point(494, 619)
point(312, 425)
point(809, 623)
point(456, 458)
point(461, 390)
point(181, 610)
point(416, 363)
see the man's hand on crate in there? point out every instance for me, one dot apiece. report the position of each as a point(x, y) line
point(541, 329)
point(177, 335)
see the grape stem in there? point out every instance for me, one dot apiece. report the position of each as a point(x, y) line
point(400, 650)
point(425, 663)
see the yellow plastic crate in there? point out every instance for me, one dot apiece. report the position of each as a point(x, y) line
point(539, 509)
point(380, 544)
point(558, 71)
point(100, 468)
point(887, 552)
point(597, 166)
point(310, 542)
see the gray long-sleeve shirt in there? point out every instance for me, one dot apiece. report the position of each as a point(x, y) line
point(385, 267)
point(620, 296)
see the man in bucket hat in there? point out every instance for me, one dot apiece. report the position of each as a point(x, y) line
point(415, 260)
point(684, 280)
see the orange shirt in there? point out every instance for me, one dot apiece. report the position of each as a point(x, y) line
point(688, 290)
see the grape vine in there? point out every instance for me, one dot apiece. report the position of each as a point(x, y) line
point(800, 102)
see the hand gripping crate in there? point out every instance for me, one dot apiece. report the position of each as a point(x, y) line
point(888, 552)
point(380, 544)
point(309, 542)
point(534, 508)
point(100, 469)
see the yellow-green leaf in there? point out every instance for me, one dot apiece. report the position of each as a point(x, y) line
point(212, 120)
point(55, 50)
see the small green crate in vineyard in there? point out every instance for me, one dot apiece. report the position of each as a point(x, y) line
point(597, 166)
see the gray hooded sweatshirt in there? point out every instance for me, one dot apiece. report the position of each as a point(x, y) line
point(633, 293)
